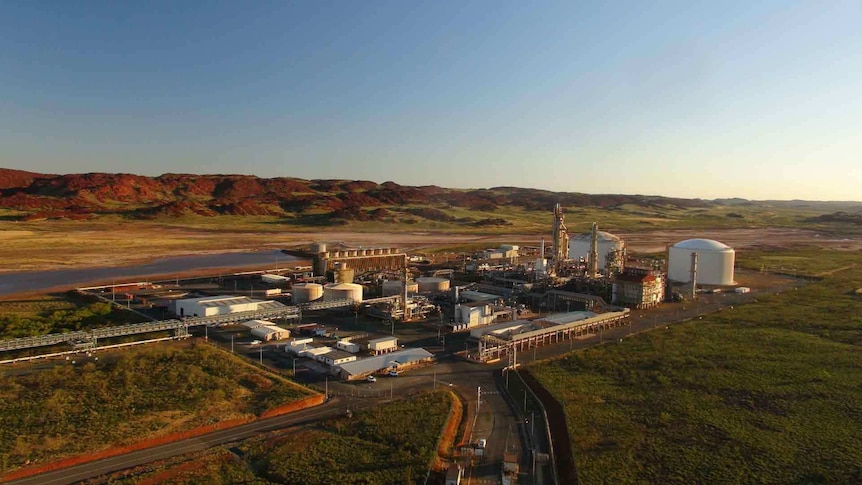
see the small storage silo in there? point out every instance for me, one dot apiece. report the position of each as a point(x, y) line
point(306, 292)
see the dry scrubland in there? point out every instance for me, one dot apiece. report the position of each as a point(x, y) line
point(391, 444)
point(769, 392)
point(67, 410)
point(111, 240)
point(67, 312)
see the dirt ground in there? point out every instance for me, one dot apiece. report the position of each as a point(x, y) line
point(22, 250)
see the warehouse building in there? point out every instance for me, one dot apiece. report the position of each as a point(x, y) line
point(210, 306)
point(268, 333)
point(399, 360)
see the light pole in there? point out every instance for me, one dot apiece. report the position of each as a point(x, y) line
point(294, 367)
point(525, 400)
point(231, 343)
point(206, 333)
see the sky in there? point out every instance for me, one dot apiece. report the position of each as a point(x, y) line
point(761, 100)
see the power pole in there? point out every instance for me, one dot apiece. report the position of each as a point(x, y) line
point(478, 397)
point(231, 343)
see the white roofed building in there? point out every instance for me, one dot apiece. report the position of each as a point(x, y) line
point(209, 306)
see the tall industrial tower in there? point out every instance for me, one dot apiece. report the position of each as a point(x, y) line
point(593, 260)
point(561, 236)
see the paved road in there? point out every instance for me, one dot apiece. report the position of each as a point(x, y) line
point(88, 470)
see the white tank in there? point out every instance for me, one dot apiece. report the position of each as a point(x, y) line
point(306, 292)
point(432, 284)
point(715, 262)
point(340, 291)
point(394, 287)
point(579, 246)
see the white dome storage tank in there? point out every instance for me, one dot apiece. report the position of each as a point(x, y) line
point(432, 284)
point(579, 246)
point(306, 292)
point(715, 262)
point(341, 291)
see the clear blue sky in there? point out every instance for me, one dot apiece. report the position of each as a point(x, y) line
point(756, 99)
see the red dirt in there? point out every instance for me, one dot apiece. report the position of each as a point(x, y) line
point(450, 432)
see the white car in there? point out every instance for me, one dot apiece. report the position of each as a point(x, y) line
point(256, 342)
point(371, 379)
point(393, 373)
point(482, 443)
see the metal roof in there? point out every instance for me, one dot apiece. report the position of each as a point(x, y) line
point(372, 364)
point(564, 318)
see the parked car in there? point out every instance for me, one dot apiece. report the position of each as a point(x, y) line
point(256, 342)
point(371, 379)
point(482, 443)
point(393, 373)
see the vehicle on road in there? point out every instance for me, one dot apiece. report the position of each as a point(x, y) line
point(256, 342)
point(482, 443)
point(371, 379)
point(393, 373)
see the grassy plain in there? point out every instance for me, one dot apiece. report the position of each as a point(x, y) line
point(391, 444)
point(64, 410)
point(768, 392)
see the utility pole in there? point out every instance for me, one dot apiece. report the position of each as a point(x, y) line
point(478, 398)
point(231, 343)
point(206, 333)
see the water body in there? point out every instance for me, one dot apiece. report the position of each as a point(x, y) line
point(28, 281)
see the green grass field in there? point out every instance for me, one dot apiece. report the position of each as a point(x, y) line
point(66, 409)
point(769, 392)
point(391, 444)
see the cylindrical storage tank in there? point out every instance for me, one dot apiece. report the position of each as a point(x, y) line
point(579, 246)
point(318, 248)
point(351, 252)
point(340, 291)
point(377, 251)
point(336, 254)
point(306, 292)
point(715, 262)
point(384, 250)
point(432, 284)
